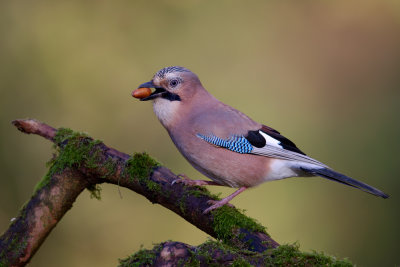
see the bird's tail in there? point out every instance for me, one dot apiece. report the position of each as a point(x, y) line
point(338, 177)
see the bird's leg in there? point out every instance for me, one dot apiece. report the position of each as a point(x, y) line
point(224, 201)
point(187, 181)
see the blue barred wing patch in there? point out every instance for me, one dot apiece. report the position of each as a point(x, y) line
point(234, 143)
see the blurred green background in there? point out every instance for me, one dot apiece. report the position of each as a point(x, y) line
point(324, 73)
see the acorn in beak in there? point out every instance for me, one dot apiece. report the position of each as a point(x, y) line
point(143, 92)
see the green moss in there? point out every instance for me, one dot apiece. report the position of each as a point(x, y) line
point(182, 203)
point(110, 166)
point(227, 220)
point(191, 262)
point(43, 182)
point(196, 191)
point(139, 167)
point(290, 255)
point(15, 247)
point(143, 257)
point(91, 162)
point(214, 253)
point(73, 149)
point(79, 148)
point(200, 191)
point(240, 262)
point(76, 148)
point(210, 252)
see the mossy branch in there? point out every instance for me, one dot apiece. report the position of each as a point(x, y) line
point(215, 253)
point(85, 163)
point(39, 216)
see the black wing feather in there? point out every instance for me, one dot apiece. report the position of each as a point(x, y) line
point(257, 140)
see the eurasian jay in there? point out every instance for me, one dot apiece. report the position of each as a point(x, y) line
point(223, 143)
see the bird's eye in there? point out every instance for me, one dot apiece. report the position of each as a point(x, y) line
point(173, 83)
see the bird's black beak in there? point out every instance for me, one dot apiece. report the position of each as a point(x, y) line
point(157, 93)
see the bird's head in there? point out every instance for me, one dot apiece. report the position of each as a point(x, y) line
point(175, 88)
point(171, 83)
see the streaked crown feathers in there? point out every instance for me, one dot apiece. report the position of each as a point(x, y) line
point(161, 73)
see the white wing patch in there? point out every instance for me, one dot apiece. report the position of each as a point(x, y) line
point(274, 149)
point(271, 141)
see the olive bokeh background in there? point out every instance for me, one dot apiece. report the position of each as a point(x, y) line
point(324, 73)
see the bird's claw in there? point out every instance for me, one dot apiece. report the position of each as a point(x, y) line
point(182, 178)
point(216, 204)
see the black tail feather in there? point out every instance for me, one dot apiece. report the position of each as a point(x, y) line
point(338, 177)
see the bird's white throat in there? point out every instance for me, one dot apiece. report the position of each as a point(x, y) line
point(166, 110)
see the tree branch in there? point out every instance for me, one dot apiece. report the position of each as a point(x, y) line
point(84, 162)
point(39, 216)
point(214, 253)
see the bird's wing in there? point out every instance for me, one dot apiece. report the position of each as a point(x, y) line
point(264, 142)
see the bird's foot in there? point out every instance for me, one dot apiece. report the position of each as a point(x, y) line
point(224, 201)
point(183, 179)
point(217, 204)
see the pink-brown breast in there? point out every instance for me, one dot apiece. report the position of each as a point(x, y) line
point(222, 165)
point(219, 164)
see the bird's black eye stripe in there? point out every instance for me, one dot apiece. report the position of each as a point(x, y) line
point(170, 96)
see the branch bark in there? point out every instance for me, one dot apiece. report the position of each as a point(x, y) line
point(39, 216)
point(84, 163)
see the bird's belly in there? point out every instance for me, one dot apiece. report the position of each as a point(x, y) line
point(227, 167)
